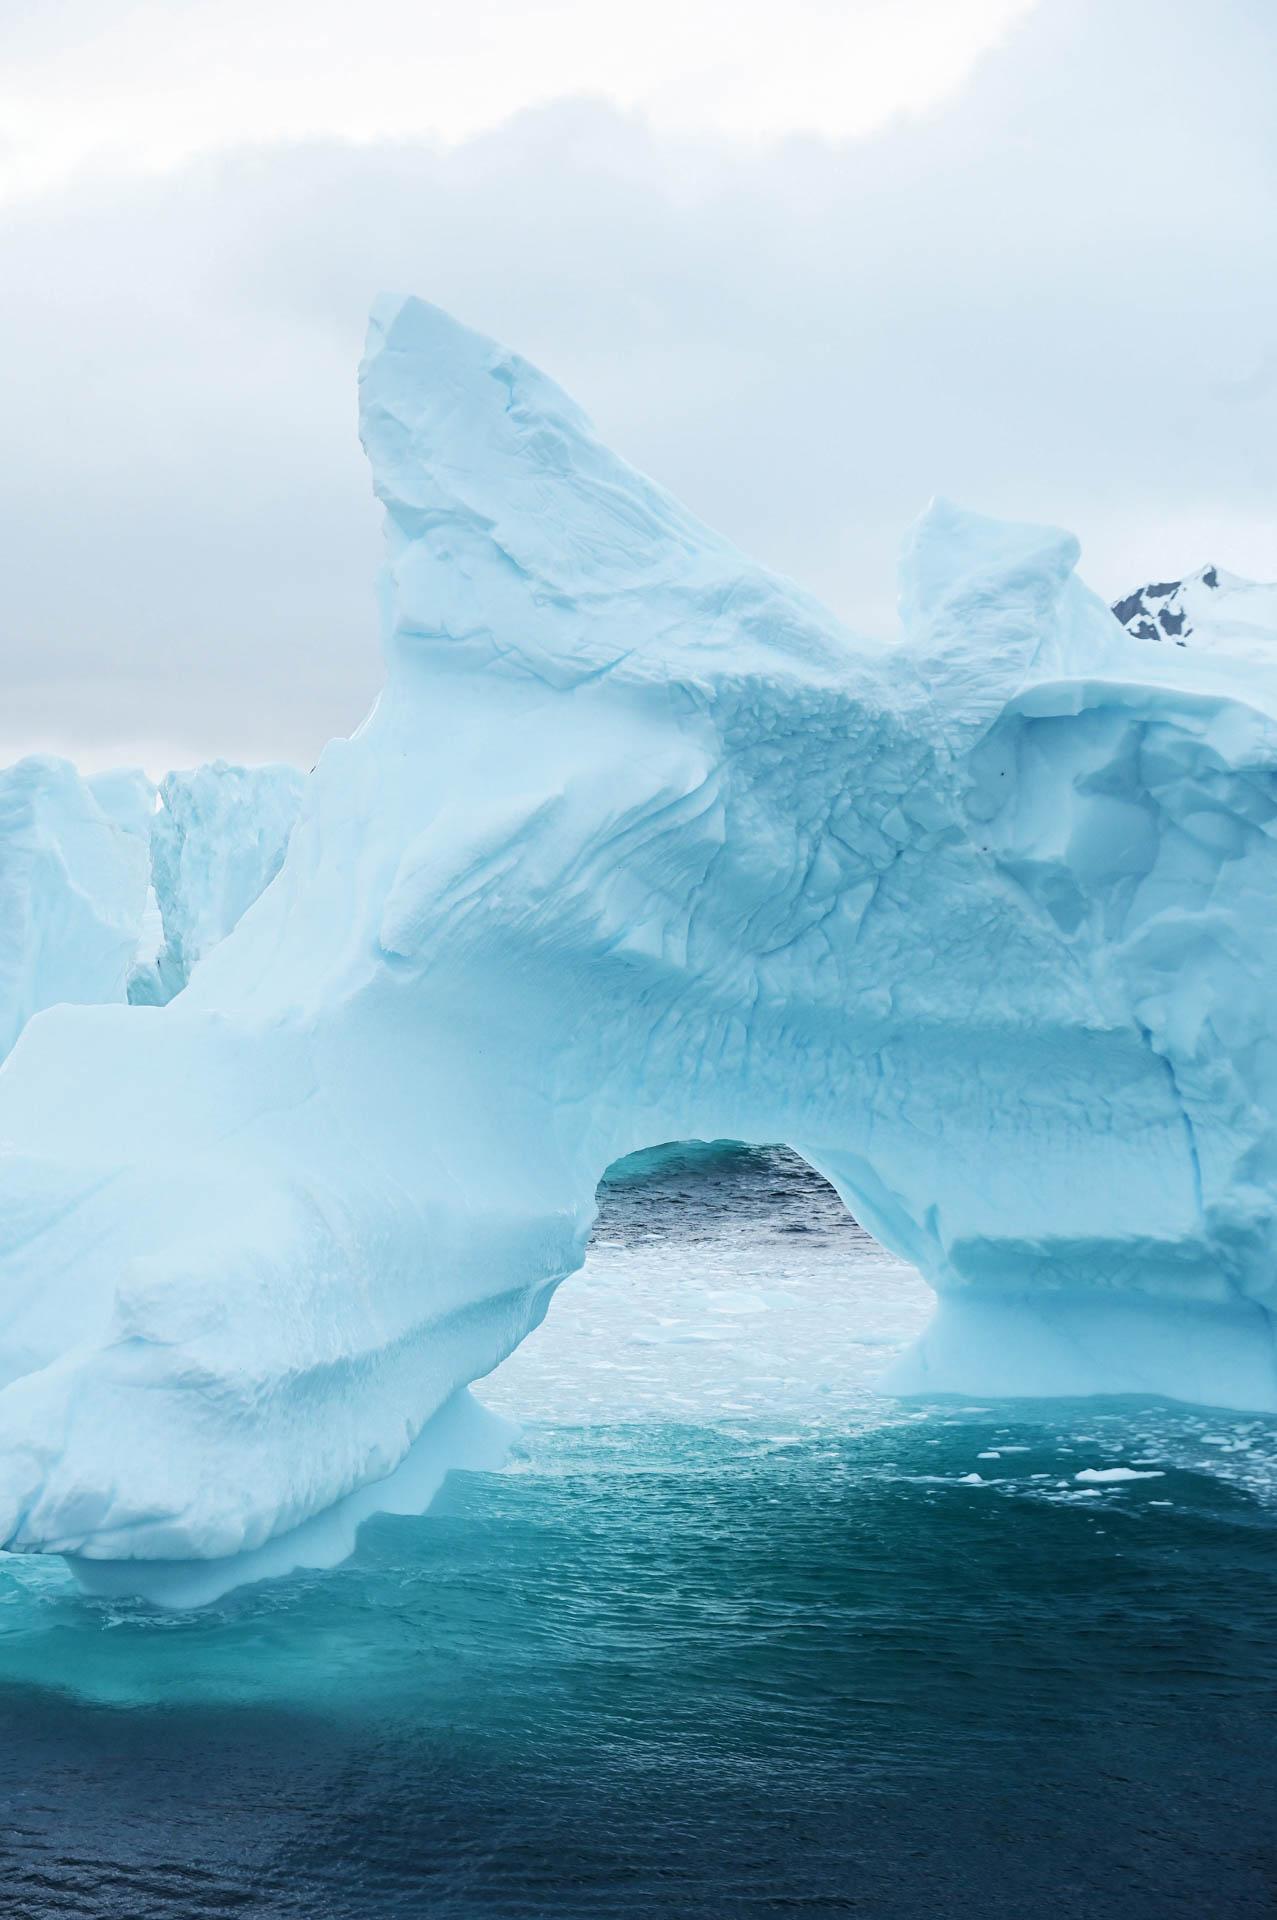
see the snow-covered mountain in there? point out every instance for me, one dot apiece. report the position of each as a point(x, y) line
point(1210, 608)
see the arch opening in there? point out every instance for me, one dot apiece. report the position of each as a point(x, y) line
point(723, 1281)
point(639, 843)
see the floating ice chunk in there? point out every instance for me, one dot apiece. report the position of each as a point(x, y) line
point(1119, 1473)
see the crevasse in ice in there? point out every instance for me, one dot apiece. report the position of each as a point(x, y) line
point(219, 838)
point(108, 891)
point(73, 883)
point(640, 844)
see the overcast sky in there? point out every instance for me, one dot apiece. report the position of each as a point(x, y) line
point(808, 264)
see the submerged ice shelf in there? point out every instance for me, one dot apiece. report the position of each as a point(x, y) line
point(639, 844)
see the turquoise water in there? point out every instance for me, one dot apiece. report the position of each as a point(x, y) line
point(731, 1636)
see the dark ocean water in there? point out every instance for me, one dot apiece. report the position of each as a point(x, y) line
point(732, 1637)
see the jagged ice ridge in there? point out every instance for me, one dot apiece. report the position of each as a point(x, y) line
point(74, 870)
point(218, 838)
point(110, 892)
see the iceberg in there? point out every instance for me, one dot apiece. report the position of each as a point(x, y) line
point(640, 844)
point(113, 891)
point(73, 882)
point(218, 839)
point(127, 797)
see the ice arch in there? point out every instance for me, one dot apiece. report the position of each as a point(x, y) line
point(640, 844)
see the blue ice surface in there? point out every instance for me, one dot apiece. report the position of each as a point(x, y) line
point(112, 889)
point(218, 838)
point(74, 867)
point(640, 844)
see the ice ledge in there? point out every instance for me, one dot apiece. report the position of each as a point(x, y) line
point(462, 1435)
point(1051, 1345)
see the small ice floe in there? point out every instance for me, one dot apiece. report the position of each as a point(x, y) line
point(1118, 1473)
point(945, 1480)
point(990, 1453)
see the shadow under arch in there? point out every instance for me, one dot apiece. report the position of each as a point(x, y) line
point(659, 1189)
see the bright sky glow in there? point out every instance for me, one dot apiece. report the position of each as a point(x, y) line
point(151, 84)
point(1017, 254)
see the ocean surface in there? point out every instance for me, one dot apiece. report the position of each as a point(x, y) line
point(733, 1635)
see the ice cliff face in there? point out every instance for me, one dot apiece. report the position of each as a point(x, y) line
point(73, 880)
point(105, 896)
point(640, 844)
point(218, 840)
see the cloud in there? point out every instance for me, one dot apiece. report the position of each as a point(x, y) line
point(1052, 297)
point(164, 80)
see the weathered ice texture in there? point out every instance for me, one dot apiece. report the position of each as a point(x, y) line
point(639, 844)
point(219, 838)
point(73, 877)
